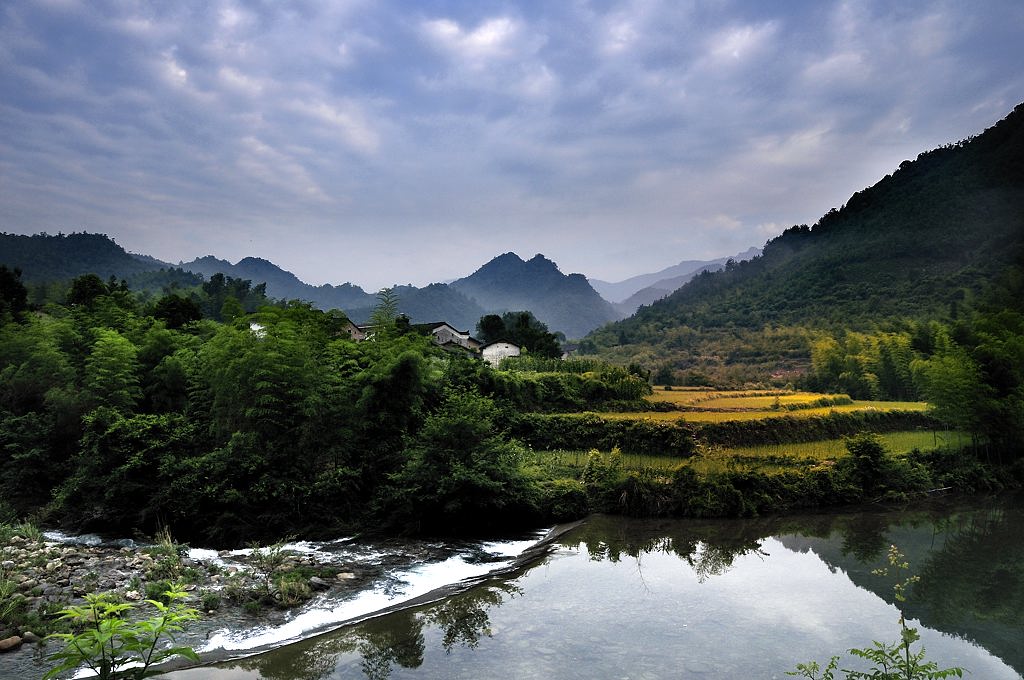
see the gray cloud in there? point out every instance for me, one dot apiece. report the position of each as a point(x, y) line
point(384, 142)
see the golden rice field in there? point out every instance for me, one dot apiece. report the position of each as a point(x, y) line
point(765, 458)
point(714, 406)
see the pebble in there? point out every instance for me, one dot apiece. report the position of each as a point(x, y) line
point(11, 643)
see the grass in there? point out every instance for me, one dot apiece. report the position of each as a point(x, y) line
point(768, 458)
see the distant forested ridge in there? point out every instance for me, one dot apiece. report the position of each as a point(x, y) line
point(924, 244)
point(565, 302)
point(61, 257)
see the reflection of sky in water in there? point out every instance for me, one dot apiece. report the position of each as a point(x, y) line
point(577, 615)
point(652, 618)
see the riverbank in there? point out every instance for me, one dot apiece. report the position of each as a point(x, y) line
point(249, 599)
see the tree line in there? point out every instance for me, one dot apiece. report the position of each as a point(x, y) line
point(232, 418)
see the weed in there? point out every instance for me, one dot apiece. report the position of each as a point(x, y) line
point(109, 642)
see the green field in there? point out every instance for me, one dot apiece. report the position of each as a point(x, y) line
point(767, 458)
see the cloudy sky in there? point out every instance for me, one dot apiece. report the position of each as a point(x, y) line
point(392, 141)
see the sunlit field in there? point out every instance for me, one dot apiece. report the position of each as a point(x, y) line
point(768, 458)
point(714, 406)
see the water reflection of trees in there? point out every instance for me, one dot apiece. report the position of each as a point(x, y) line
point(709, 548)
point(381, 644)
point(970, 563)
point(973, 585)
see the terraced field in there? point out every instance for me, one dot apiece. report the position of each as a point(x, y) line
point(712, 406)
point(770, 458)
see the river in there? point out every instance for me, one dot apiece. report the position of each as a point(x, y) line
point(623, 598)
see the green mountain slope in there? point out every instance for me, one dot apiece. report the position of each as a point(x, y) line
point(43, 257)
point(916, 245)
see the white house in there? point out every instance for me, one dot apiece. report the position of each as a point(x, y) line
point(494, 352)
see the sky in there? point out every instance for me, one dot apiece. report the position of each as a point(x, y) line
point(387, 141)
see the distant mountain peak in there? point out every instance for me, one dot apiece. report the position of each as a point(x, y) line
point(565, 303)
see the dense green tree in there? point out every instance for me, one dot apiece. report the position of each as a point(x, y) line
point(176, 311)
point(491, 328)
point(13, 294)
point(460, 473)
point(522, 328)
point(85, 289)
point(112, 372)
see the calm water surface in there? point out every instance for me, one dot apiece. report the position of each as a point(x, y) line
point(620, 598)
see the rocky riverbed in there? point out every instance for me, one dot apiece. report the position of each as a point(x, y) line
point(39, 577)
point(250, 600)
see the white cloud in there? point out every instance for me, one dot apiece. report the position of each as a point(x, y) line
point(738, 43)
point(345, 119)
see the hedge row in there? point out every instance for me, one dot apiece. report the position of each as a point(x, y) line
point(590, 431)
point(795, 429)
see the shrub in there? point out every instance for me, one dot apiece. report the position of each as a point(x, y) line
point(112, 646)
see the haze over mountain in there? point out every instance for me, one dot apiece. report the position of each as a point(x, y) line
point(620, 291)
point(918, 244)
point(665, 282)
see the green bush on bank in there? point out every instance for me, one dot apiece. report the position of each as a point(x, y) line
point(590, 431)
point(868, 474)
point(793, 429)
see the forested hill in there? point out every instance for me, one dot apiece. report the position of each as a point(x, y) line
point(919, 244)
point(43, 257)
point(282, 284)
point(566, 303)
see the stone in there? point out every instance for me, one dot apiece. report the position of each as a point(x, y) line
point(317, 583)
point(133, 595)
point(345, 576)
point(30, 637)
point(11, 643)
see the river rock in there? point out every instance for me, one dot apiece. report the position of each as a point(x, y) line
point(11, 643)
point(30, 637)
point(317, 583)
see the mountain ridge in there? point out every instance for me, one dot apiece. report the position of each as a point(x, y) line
point(917, 245)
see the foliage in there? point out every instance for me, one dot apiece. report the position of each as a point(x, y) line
point(522, 328)
point(590, 431)
point(112, 645)
point(13, 294)
point(459, 474)
point(890, 661)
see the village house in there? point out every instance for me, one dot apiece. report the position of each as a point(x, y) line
point(494, 352)
point(443, 333)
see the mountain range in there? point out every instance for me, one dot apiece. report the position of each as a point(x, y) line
point(566, 303)
point(920, 243)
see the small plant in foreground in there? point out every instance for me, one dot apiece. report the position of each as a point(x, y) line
point(894, 661)
point(114, 647)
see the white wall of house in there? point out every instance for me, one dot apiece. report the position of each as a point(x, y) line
point(496, 351)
